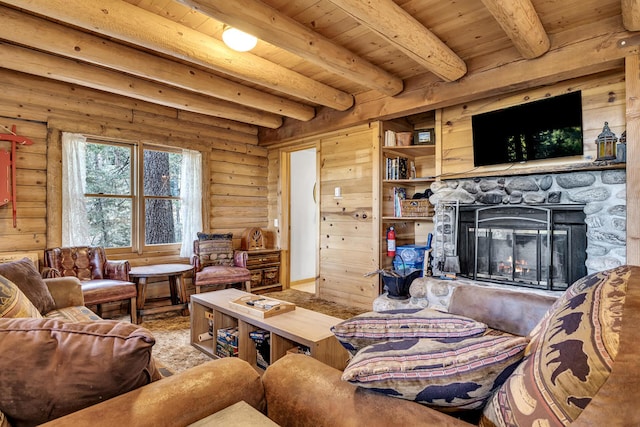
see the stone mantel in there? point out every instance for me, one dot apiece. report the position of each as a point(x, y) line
point(539, 170)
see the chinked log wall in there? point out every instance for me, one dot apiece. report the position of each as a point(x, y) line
point(235, 168)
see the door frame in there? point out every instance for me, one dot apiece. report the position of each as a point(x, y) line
point(285, 226)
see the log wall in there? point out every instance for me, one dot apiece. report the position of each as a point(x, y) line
point(234, 167)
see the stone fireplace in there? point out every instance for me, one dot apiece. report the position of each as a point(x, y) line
point(541, 247)
point(541, 231)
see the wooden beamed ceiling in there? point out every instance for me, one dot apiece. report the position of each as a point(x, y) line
point(318, 62)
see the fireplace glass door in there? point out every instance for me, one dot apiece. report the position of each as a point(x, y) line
point(523, 246)
point(511, 247)
point(513, 255)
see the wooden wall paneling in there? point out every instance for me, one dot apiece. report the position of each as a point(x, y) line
point(348, 226)
point(632, 94)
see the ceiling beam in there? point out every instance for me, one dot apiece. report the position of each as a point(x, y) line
point(519, 19)
point(404, 32)
point(631, 14)
point(266, 23)
point(18, 27)
point(41, 64)
point(134, 25)
point(596, 53)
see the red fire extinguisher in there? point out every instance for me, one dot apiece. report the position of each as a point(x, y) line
point(391, 242)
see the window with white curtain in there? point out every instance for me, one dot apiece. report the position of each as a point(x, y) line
point(130, 195)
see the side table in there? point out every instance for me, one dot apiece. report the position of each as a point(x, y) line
point(177, 288)
point(240, 414)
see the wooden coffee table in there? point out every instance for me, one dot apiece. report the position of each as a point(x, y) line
point(287, 330)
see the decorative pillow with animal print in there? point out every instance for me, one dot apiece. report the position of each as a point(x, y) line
point(451, 374)
point(570, 356)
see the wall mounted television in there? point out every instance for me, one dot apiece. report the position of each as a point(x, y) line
point(544, 129)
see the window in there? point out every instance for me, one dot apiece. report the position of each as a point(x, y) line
point(130, 194)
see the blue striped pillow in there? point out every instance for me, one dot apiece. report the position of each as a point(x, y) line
point(373, 327)
point(451, 376)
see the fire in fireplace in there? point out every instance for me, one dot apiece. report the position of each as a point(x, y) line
point(533, 246)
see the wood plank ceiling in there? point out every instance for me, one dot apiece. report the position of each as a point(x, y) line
point(313, 56)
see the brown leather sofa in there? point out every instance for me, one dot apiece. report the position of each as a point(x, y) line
point(300, 391)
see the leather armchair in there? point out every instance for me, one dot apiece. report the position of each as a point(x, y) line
point(102, 280)
point(218, 265)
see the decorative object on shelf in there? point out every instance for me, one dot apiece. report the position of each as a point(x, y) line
point(413, 208)
point(424, 137)
point(252, 239)
point(621, 153)
point(606, 144)
point(404, 139)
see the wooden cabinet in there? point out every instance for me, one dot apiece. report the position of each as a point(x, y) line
point(264, 265)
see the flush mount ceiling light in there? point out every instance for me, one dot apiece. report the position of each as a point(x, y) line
point(238, 40)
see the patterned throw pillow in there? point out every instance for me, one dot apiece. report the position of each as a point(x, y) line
point(451, 376)
point(214, 236)
point(13, 302)
point(570, 356)
point(62, 367)
point(373, 327)
point(215, 249)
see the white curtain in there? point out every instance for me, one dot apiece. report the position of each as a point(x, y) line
point(75, 225)
point(190, 199)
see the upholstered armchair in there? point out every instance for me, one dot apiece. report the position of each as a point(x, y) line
point(102, 280)
point(217, 264)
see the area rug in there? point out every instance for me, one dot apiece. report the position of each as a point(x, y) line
point(171, 330)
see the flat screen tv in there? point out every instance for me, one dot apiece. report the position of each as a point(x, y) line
point(537, 130)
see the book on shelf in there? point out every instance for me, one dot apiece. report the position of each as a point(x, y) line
point(399, 194)
point(397, 168)
point(389, 138)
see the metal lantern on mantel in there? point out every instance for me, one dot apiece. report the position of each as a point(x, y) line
point(606, 144)
point(621, 154)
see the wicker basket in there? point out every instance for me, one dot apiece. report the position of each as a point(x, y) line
point(416, 207)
